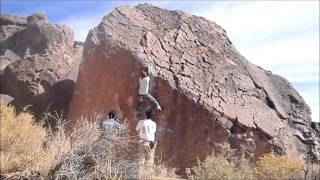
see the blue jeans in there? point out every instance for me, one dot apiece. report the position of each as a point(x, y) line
point(149, 98)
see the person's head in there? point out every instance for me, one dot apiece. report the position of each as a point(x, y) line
point(143, 73)
point(149, 113)
point(112, 114)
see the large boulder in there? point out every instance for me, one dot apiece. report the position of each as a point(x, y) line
point(7, 57)
point(210, 94)
point(10, 24)
point(39, 64)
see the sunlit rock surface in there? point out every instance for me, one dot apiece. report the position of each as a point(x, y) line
point(210, 94)
point(39, 62)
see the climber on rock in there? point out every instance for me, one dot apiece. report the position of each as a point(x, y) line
point(144, 81)
point(146, 129)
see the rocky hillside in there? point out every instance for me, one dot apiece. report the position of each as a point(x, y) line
point(210, 94)
point(39, 62)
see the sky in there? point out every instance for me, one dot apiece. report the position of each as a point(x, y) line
point(280, 36)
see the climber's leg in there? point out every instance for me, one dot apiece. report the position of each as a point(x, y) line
point(153, 101)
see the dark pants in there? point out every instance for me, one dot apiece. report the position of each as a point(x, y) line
point(149, 98)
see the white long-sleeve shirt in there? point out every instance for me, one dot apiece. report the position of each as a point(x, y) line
point(144, 85)
point(146, 129)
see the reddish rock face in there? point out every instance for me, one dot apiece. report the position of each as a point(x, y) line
point(209, 93)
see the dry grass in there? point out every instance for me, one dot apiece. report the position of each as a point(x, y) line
point(89, 153)
point(92, 154)
point(157, 172)
point(271, 166)
point(231, 166)
point(226, 165)
point(110, 156)
point(26, 146)
point(55, 148)
point(21, 140)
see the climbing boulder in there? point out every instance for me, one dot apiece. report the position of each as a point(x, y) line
point(40, 63)
point(209, 93)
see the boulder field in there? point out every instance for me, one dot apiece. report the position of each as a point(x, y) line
point(39, 63)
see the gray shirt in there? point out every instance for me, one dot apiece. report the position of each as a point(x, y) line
point(110, 124)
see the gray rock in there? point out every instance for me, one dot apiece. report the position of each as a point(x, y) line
point(40, 64)
point(37, 18)
point(8, 19)
point(7, 57)
point(5, 99)
point(10, 24)
point(316, 126)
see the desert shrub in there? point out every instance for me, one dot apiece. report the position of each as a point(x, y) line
point(157, 172)
point(26, 146)
point(20, 140)
point(56, 146)
point(225, 165)
point(87, 153)
point(271, 166)
point(97, 154)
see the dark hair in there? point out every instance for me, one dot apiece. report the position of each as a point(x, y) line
point(112, 114)
point(149, 113)
point(143, 73)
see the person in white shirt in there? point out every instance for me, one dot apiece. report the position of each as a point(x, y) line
point(144, 81)
point(111, 125)
point(146, 130)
